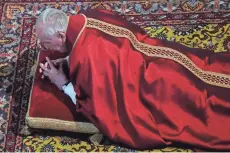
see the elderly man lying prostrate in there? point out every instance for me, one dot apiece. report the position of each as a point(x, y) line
point(139, 91)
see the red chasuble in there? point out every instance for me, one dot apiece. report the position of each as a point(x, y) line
point(145, 92)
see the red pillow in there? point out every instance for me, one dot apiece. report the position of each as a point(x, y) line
point(50, 108)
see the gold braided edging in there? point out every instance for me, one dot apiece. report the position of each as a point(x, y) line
point(212, 78)
point(56, 124)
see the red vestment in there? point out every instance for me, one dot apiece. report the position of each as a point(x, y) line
point(145, 92)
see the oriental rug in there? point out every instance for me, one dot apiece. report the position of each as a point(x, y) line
point(194, 23)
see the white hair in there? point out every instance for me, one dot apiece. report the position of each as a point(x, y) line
point(54, 20)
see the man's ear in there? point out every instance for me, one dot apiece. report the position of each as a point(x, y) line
point(62, 36)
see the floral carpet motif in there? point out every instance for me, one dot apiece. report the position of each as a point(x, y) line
point(194, 23)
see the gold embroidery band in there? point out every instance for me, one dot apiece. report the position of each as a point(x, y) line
point(212, 78)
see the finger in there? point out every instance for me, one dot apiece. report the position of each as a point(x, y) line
point(54, 62)
point(46, 65)
point(50, 63)
point(40, 70)
point(44, 68)
point(42, 76)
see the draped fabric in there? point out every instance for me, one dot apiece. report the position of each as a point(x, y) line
point(145, 92)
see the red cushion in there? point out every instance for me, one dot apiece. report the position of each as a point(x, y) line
point(48, 102)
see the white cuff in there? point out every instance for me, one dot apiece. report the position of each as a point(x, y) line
point(69, 90)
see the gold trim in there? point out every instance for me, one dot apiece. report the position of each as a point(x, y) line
point(56, 124)
point(35, 65)
point(212, 78)
point(80, 31)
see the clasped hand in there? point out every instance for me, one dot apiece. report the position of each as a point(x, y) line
point(56, 75)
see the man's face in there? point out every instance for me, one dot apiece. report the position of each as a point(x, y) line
point(55, 42)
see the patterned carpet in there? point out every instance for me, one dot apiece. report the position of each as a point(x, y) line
point(194, 23)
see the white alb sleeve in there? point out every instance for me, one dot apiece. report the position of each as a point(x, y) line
point(69, 90)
